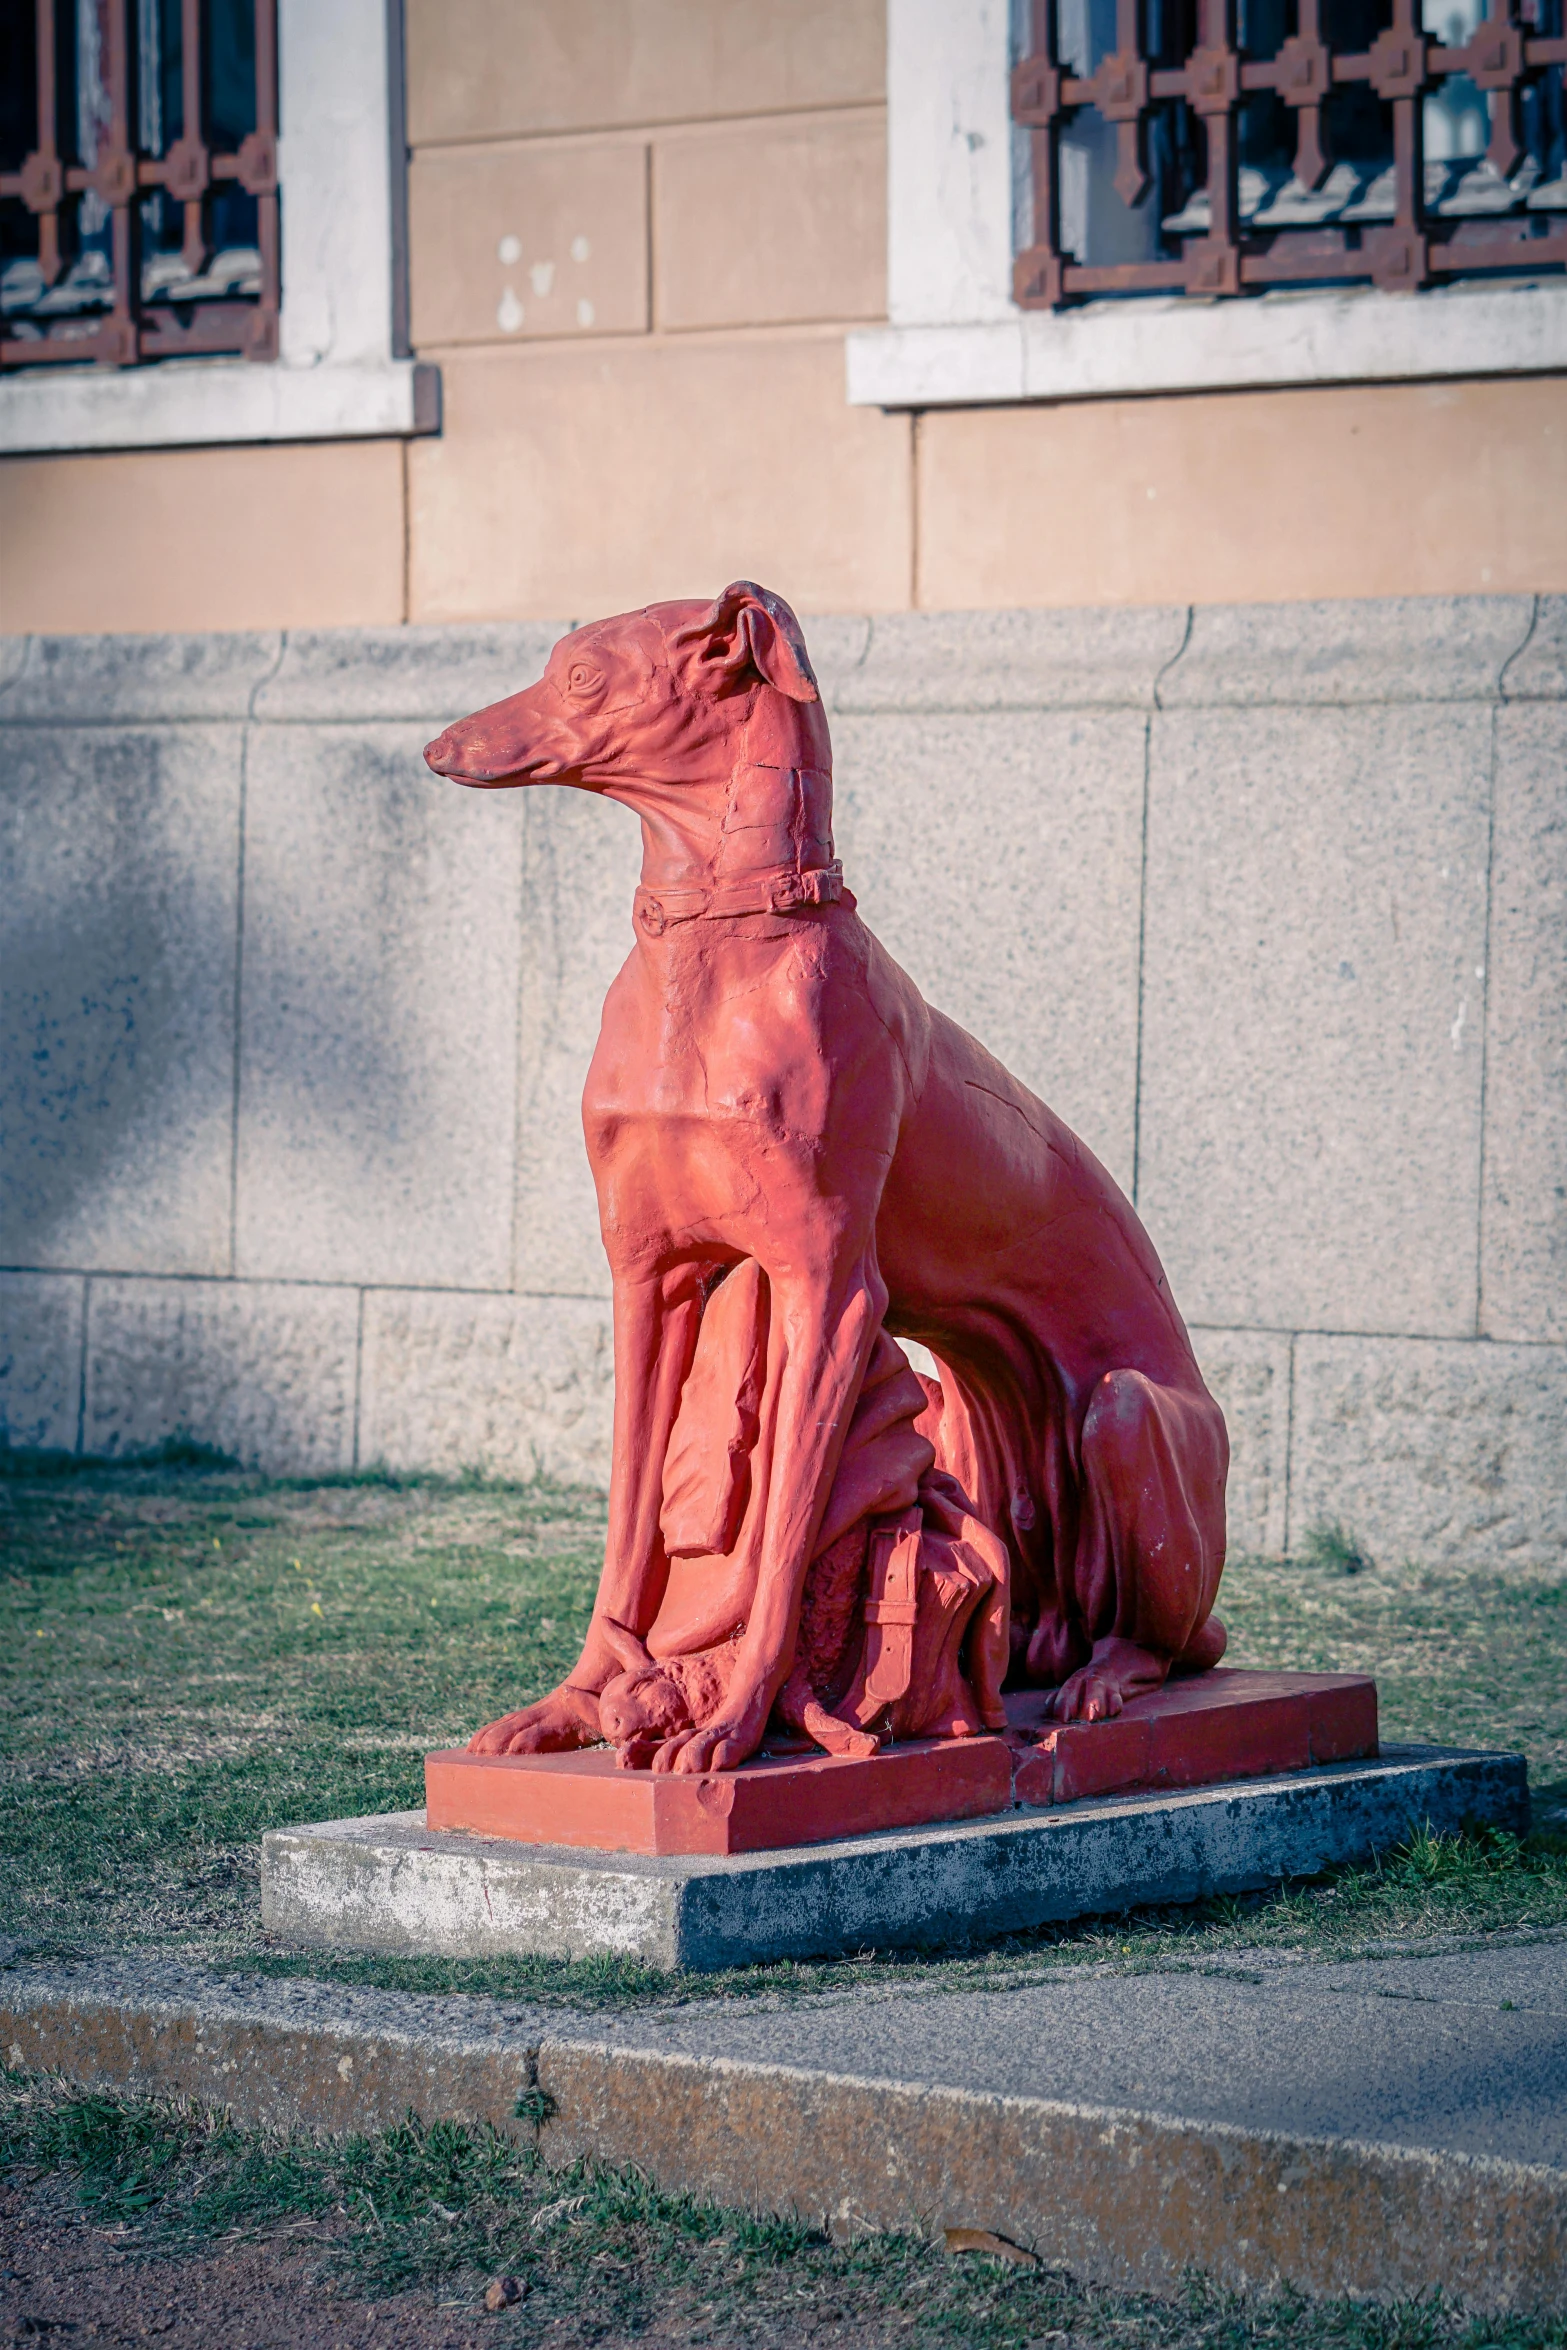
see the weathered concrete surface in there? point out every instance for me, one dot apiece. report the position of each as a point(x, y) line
point(1026, 831)
point(41, 1317)
point(1523, 1224)
point(1248, 1373)
point(279, 2053)
point(377, 1072)
point(1430, 1449)
point(393, 1884)
point(581, 858)
point(262, 1370)
point(516, 1386)
point(1373, 649)
point(106, 680)
point(1060, 660)
point(1367, 2129)
point(1538, 671)
point(1313, 1015)
point(348, 674)
point(118, 946)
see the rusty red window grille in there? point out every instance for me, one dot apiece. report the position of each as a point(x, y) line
point(138, 180)
point(1222, 147)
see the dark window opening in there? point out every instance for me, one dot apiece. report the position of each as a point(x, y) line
point(1219, 147)
point(138, 180)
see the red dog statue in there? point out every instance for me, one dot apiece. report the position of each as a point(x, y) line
point(795, 1156)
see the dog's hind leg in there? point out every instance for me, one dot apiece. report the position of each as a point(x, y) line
point(1150, 1546)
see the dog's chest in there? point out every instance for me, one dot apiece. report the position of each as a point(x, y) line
point(711, 1073)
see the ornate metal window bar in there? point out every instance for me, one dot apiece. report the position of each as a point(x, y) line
point(1219, 147)
point(138, 181)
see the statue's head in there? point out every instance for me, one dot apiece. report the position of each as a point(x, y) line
point(655, 696)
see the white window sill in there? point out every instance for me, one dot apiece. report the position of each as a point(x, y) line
point(191, 403)
point(1117, 348)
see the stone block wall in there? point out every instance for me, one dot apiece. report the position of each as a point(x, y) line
point(1270, 902)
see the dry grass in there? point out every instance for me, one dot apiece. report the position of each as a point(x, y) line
point(190, 1655)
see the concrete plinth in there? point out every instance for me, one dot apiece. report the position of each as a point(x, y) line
point(393, 1884)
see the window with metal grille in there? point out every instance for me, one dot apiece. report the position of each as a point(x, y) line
point(138, 180)
point(1220, 147)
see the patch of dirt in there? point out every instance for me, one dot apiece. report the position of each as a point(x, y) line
point(63, 2282)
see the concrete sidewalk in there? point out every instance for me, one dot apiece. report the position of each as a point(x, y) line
point(1372, 2126)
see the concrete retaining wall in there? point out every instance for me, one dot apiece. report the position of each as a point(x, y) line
point(1270, 902)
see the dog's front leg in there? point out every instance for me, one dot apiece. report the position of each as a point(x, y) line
point(656, 1320)
point(829, 1318)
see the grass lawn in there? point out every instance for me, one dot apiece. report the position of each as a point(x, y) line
point(189, 1655)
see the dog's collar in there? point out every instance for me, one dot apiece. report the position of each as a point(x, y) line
point(778, 889)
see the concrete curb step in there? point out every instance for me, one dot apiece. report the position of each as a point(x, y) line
point(1121, 2194)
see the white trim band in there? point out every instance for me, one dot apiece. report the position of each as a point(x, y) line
point(194, 403)
point(1180, 345)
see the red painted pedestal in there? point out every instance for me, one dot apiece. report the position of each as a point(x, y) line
point(1221, 1725)
point(1226, 1724)
point(585, 1799)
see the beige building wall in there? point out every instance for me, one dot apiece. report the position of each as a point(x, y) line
point(638, 231)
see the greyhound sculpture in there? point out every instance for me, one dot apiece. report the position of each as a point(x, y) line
point(774, 1112)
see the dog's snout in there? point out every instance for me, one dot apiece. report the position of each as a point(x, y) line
point(439, 754)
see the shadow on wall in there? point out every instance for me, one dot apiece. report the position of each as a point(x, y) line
point(370, 1086)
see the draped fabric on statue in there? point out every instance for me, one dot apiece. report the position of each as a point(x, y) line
point(1056, 1488)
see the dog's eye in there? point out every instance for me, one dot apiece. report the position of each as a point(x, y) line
point(581, 679)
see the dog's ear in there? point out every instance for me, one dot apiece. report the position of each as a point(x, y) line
point(747, 628)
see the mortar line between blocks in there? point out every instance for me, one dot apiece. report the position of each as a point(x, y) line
point(1289, 1442)
point(1142, 940)
point(359, 1376)
point(519, 1101)
point(81, 1369)
point(1484, 1022)
point(914, 512)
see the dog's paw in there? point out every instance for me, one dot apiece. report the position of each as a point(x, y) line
point(1117, 1670)
point(567, 1718)
point(718, 1746)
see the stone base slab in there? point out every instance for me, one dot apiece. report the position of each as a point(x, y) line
point(392, 1883)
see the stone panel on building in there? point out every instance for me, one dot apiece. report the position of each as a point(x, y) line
point(120, 847)
point(582, 856)
point(1024, 833)
point(517, 1386)
point(1431, 1450)
point(40, 1361)
point(377, 1088)
point(1248, 1374)
point(1314, 1014)
point(1523, 1273)
point(262, 1371)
